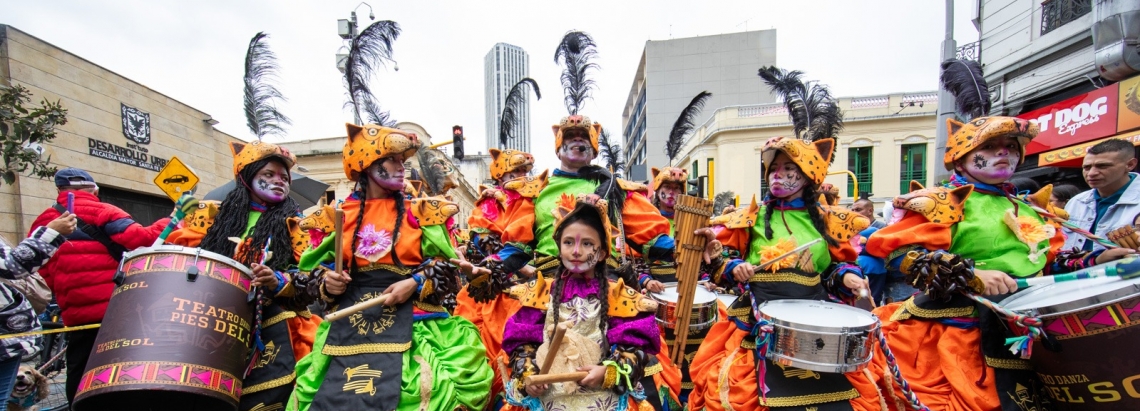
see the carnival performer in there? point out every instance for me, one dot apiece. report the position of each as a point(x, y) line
point(409, 345)
point(971, 234)
point(725, 371)
point(259, 214)
point(611, 332)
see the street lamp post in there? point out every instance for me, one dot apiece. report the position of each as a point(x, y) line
point(945, 99)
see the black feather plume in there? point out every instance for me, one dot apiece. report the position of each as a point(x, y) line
point(368, 52)
point(964, 79)
point(575, 53)
point(723, 199)
point(261, 115)
point(611, 153)
point(511, 107)
point(685, 124)
point(376, 115)
point(814, 112)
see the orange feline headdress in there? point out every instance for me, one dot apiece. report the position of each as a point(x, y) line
point(371, 142)
point(668, 175)
point(575, 53)
point(585, 203)
point(506, 161)
point(964, 79)
point(813, 158)
point(254, 151)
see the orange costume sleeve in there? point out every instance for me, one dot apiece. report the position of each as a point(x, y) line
point(487, 215)
point(913, 230)
point(519, 224)
point(185, 237)
point(642, 222)
point(843, 251)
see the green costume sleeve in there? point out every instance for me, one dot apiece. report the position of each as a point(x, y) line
point(313, 257)
point(436, 242)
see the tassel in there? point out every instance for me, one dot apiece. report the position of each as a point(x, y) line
point(1021, 346)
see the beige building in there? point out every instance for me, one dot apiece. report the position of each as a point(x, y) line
point(886, 142)
point(321, 159)
point(120, 131)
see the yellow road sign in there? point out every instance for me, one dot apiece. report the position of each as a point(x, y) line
point(175, 179)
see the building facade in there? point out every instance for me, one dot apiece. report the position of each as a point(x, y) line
point(120, 131)
point(672, 72)
point(504, 66)
point(1069, 65)
point(886, 142)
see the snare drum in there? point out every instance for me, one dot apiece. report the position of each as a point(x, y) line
point(819, 336)
point(704, 307)
point(1094, 321)
point(727, 299)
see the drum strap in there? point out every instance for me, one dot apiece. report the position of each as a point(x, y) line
point(96, 233)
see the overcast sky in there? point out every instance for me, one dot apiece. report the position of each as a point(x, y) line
point(193, 51)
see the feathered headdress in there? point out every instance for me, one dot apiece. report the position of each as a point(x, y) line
point(815, 114)
point(511, 107)
point(369, 50)
point(575, 53)
point(964, 79)
point(261, 114)
point(611, 153)
point(685, 124)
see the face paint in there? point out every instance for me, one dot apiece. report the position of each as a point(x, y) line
point(993, 162)
point(270, 186)
point(388, 173)
point(785, 180)
point(576, 150)
point(579, 249)
point(667, 196)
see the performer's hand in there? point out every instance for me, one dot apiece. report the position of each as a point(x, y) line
point(400, 291)
point(1114, 254)
point(713, 247)
point(264, 276)
point(528, 271)
point(854, 283)
point(335, 283)
point(654, 286)
point(709, 285)
point(470, 270)
point(997, 282)
point(743, 272)
point(461, 251)
point(64, 224)
point(536, 390)
point(728, 209)
point(597, 374)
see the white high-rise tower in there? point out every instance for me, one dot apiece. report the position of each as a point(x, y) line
point(504, 66)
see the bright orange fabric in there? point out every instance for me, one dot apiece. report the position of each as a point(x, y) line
point(479, 219)
point(913, 229)
point(185, 237)
point(519, 221)
point(302, 333)
point(942, 364)
point(740, 385)
point(490, 318)
point(641, 220)
point(670, 375)
point(381, 214)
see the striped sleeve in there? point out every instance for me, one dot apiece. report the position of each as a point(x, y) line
point(32, 253)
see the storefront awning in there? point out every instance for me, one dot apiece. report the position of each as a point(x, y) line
point(1073, 156)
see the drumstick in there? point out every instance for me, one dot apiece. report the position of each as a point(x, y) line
point(338, 246)
point(1127, 268)
point(769, 263)
point(1076, 229)
point(353, 309)
point(553, 378)
point(555, 344)
point(184, 202)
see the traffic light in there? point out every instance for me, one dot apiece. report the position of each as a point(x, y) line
point(457, 142)
point(698, 186)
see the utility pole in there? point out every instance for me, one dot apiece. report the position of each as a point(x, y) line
point(945, 99)
point(347, 30)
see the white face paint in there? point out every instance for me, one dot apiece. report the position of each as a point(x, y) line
point(785, 180)
point(271, 184)
point(993, 162)
point(580, 249)
point(388, 173)
point(667, 195)
point(576, 151)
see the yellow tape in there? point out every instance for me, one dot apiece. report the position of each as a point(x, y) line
point(54, 331)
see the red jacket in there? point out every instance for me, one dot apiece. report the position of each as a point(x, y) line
point(81, 272)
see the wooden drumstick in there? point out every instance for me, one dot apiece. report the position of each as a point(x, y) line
point(553, 378)
point(766, 264)
point(555, 344)
point(338, 231)
point(356, 308)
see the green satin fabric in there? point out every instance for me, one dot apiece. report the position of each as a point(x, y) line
point(547, 201)
point(984, 237)
point(798, 223)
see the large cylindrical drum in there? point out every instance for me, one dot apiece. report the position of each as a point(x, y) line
point(1095, 324)
point(176, 335)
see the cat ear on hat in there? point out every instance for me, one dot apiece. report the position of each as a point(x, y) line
point(494, 153)
point(353, 130)
point(825, 147)
point(236, 147)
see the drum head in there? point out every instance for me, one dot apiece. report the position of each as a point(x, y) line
point(817, 313)
point(727, 299)
point(1048, 300)
point(702, 295)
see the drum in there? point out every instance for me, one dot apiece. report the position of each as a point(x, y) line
point(176, 335)
point(819, 336)
point(727, 299)
point(704, 307)
point(1095, 324)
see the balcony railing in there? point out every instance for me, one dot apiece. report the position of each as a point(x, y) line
point(970, 51)
point(1057, 13)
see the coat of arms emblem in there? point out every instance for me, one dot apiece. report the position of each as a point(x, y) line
point(136, 124)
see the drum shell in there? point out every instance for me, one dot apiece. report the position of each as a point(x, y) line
point(170, 341)
point(704, 313)
point(817, 347)
point(1096, 367)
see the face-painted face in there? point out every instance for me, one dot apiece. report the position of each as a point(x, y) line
point(576, 150)
point(785, 180)
point(512, 175)
point(580, 249)
point(668, 195)
point(993, 162)
point(271, 184)
point(388, 173)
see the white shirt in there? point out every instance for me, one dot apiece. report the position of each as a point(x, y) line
point(1082, 212)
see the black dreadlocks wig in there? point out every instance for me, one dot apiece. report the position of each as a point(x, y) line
point(588, 215)
point(233, 216)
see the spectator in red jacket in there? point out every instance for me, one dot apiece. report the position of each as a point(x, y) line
point(81, 273)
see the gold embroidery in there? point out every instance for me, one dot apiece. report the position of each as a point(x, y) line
point(431, 308)
point(785, 278)
point(653, 369)
point(363, 325)
point(686, 386)
point(798, 372)
point(361, 386)
point(811, 408)
point(268, 355)
point(385, 267)
point(1023, 398)
point(739, 312)
point(952, 312)
point(748, 345)
point(663, 270)
point(282, 316)
point(1008, 363)
point(274, 383)
point(372, 348)
point(802, 400)
point(547, 263)
point(263, 407)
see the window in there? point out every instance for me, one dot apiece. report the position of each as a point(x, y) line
point(913, 166)
point(859, 162)
point(1057, 13)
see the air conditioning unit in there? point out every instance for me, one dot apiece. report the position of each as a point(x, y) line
point(1116, 38)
